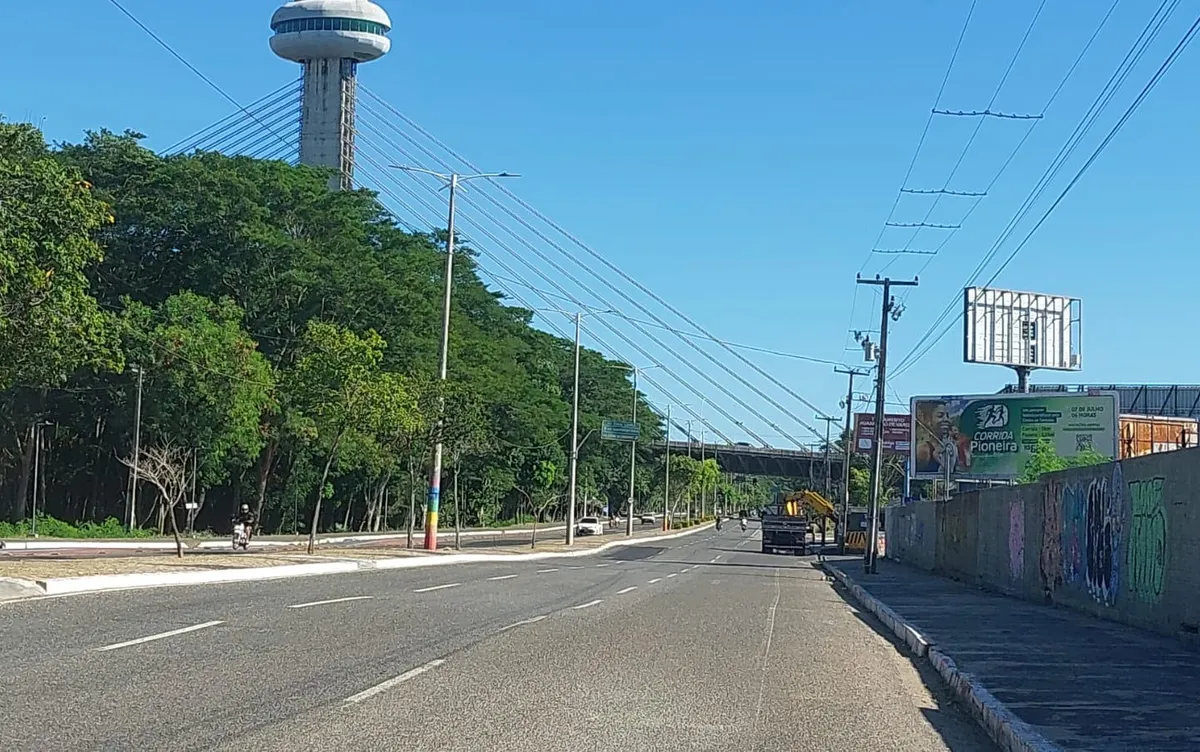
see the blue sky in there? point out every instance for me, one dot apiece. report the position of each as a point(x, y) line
point(737, 159)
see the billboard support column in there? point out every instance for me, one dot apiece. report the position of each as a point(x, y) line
point(889, 310)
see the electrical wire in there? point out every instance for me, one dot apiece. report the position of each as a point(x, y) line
point(611, 266)
point(1182, 45)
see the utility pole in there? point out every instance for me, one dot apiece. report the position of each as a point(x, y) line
point(829, 421)
point(667, 476)
point(38, 472)
point(847, 453)
point(575, 436)
point(452, 181)
point(137, 448)
point(889, 311)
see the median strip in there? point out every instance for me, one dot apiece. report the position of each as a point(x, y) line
point(159, 636)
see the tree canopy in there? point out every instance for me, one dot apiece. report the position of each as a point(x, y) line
point(286, 338)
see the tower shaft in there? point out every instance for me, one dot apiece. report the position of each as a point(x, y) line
point(327, 119)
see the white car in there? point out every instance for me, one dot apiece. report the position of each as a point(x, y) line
point(589, 526)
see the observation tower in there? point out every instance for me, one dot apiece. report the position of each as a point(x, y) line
point(330, 38)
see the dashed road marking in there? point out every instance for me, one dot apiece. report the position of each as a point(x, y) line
point(589, 604)
point(522, 623)
point(436, 587)
point(384, 686)
point(160, 636)
point(673, 574)
point(547, 571)
point(656, 579)
point(598, 566)
point(502, 577)
point(335, 600)
point(627, 590)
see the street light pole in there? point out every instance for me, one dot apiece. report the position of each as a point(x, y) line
point(574, 437)
point(137, 448)
point(632, 459)
point(889, 310)
point(847, 453)
point(452, 181)
point(667, 476)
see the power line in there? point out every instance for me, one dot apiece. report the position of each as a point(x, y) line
point(1021, 143)
point(1182, 45)
point(600, 257)
point(916, 154)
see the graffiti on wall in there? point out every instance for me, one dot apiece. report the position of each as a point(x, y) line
point(1147, 553)
point(1093, 523)
point(1083, 529)
point(1016, 540)
point(1050, 560)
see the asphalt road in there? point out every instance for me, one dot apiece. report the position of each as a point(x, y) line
point(700, 643)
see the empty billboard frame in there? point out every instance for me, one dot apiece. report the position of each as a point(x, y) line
point(1022, 330)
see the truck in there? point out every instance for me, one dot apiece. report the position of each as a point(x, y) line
point(785, 527)
point(1147, 434)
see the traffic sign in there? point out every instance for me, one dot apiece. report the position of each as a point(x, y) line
point(619, 430)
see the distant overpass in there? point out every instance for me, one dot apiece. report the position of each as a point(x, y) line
point(742, 459)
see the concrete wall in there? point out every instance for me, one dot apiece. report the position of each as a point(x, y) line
point(1120, 541)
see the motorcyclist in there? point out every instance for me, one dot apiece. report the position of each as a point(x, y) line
point(245, 517)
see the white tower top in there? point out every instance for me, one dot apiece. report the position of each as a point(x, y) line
point(331, 29)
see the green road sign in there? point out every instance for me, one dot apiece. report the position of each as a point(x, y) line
point(619, 430)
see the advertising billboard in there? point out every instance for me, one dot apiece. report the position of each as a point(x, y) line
point(897, 433)
point(1021, 329)
point(992, 436)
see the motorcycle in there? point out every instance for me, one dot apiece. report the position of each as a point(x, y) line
point(718, 524)
point(241, 537)
point(743, 526)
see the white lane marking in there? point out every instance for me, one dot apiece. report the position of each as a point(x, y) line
point(656, 579)
point(589, 604)
point(762, 685)
point(673, 574)
point(714, 559)
point(335, 600)
point(626, 590)
point(160, 636)
point(384, 686)
point(522, 623)
point(598, 566)
point(502, 577)
point(436, 587)
point(546, 571)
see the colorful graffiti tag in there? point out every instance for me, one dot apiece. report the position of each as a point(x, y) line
point(1050, 560)
point(1147, 553)
point(1084, 527)
point(1016, 540)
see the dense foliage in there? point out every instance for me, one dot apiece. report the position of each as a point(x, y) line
point(286, 338)
point(1045, 459)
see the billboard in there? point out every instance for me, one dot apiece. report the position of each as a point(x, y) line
point(897, 433)
point(992, 436)
point(619, 430)
point(1021, 329)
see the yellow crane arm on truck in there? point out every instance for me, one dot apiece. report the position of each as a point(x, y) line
point(811, 500)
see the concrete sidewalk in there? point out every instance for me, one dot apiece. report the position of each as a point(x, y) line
point(1082, 683)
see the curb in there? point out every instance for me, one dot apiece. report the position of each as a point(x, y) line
point(1003, 726)
point(153, 545)
point(95, 583)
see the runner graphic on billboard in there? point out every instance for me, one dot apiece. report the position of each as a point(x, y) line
point(937, 440)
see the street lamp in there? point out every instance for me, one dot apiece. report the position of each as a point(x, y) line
point(451, 181)
point(632, 444)
point(575, 442)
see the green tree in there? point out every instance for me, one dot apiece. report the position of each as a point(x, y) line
point(1045, 459)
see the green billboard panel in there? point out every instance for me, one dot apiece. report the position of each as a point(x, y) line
point(993, 436)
